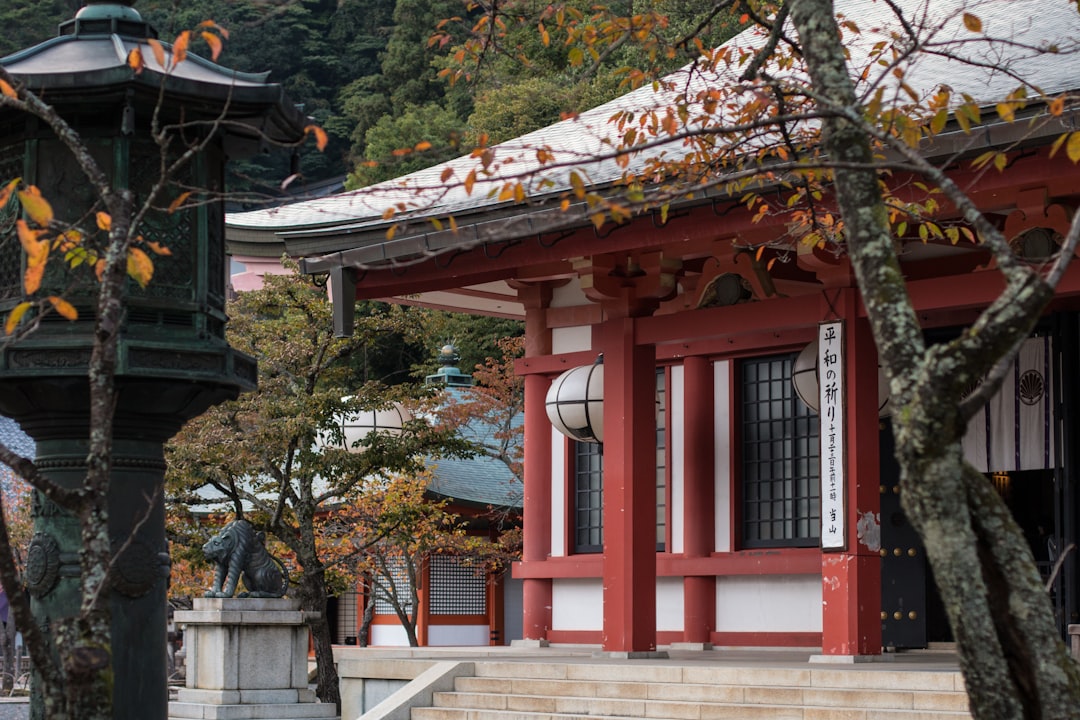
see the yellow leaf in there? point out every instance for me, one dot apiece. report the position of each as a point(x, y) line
point(1058, 143)
point(1000, 161)
point(104, 221)
point(139, 266)
point(62, 306)
point(577, 184)
point(937, 124)
point(972, 23)
point(175, 204)
point(158, 49)
point(1072, 147)
point(135, 61)
point(37, 207)
point(214, 42)
point(320, 136)
point(15, 316)
point(8, 90)
point(180, 47)
point(5, 194)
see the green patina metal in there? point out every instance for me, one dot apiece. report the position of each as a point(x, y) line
point(173, 359)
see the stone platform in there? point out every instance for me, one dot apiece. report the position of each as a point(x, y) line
point(247, 659)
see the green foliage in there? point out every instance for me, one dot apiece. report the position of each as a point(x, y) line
point(29, 22)
point(392, 138)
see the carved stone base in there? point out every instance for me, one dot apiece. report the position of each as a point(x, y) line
point(246, 659)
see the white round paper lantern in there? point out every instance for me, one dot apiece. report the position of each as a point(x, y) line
point(804, 376)
point(356, 426)
point(575, 403)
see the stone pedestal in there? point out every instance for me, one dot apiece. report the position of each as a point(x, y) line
point(247, 659)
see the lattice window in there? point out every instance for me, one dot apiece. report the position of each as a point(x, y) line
point(780, 458)
point(456, 587)
point(588, 498)
point(401, 588)
point(347, 623)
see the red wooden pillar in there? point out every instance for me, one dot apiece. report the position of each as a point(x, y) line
point(629, 515)
point(536, 513)
point(851, 594)
point(536, 520)
point(699, 593)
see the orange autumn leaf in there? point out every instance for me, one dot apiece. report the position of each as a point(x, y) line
point(37, 250)
point(158, 248)
point(62, 306)
point(180, 199)
point(212, 24)
point(104, 221)
point(32, 278)
point(139, 266)
point(37, 207)
point(8, 91)
point(15, 316)
point(180, 47)
point(135, 60)
point(214, 42)
point(99, 269)
point(158, 49)
point(320, 136)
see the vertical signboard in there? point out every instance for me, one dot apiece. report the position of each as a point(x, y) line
point(831, 404)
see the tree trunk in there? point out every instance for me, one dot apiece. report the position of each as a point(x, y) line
point(1014, 664)
point(313, 599)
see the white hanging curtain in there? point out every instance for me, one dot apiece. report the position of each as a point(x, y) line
point(1015, 429)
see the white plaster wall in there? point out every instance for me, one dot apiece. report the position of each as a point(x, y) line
point(571, 339)
point(669, 603)
point(676, 421)
point(458, 635)
point(389, 636)
point(568, 295)
point(768, 603)
point(722, 454)
point(577, 604)
point(558, 493)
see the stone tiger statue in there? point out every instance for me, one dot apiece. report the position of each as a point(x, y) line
point(239, 550)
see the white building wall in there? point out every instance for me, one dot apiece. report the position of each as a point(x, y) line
point(558, 494)
point(389, 636)
point(669, 604)
point(676, 421)
point(467, 635)
point(577, 604)
point(768, 603)
point(571, 339)
point(722, 454)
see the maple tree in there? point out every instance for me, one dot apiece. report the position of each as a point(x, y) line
point(278, 456)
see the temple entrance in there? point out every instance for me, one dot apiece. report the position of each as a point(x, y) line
point(1023, 442)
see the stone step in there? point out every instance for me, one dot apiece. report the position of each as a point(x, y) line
point(699, 693)
point(882, 676)
point(762, 712)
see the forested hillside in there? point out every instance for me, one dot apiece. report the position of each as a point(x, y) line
point(368, 71)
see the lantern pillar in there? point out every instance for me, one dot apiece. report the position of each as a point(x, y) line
point(172, 361)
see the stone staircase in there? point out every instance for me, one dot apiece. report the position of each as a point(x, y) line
point(650, 689)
